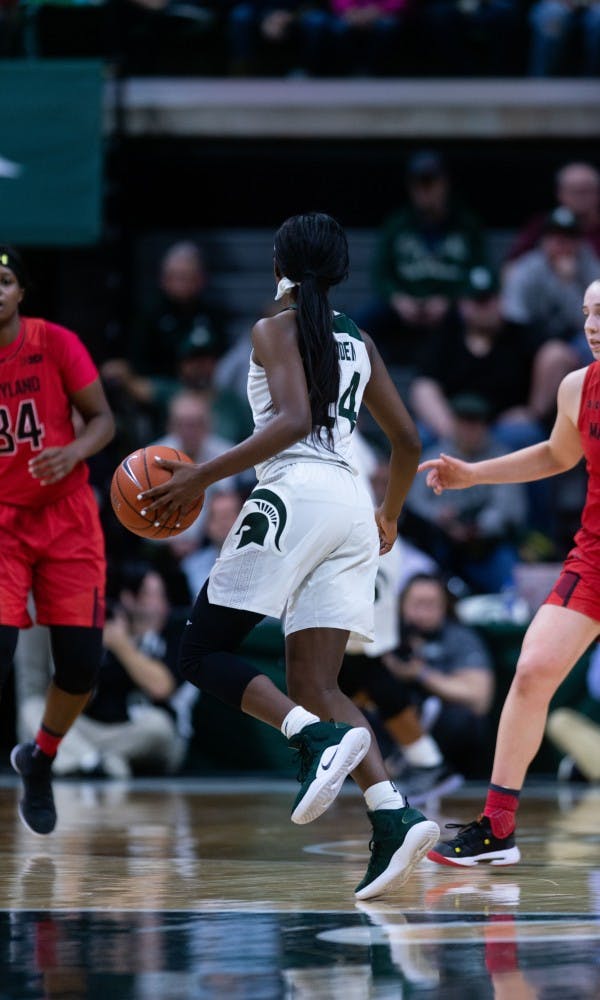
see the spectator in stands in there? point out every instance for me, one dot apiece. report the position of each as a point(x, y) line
point(544, 288)
point(129, 725)
point(189, 429)
point(479, 348)
point(478, 38)
point(448, 672)
point(475, 539)
point(365, 36)
point(577, 188)
point(565, 38)
point(221, 510)
point(424, 254)
point(184, 306)
point(278, 37)
point(185, 340)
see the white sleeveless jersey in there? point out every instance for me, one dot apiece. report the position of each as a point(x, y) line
point(355, 371)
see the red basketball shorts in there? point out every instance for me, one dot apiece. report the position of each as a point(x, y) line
point(577, 588)
point(55, 553)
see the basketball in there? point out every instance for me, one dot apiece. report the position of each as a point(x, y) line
point(137, 473)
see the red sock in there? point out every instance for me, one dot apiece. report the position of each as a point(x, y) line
point(47, 741)
point(500, 808)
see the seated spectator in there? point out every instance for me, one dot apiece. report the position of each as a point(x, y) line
point(184, 309)
point(478, 38)
point(544, 288)
point(277, 37)
point(424, 254)
point(145, 399)
point(479, 348)
point(565, 38)
point(189, 429)
point(365, 36)
point(184, 305)
point(129, 725)
point(577, 187)
point(471, 535)
point(221, 511)
point(448, 673)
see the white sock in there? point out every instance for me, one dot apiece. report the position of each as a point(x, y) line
point(424, 752)
point(383, 795)
point(296, 719)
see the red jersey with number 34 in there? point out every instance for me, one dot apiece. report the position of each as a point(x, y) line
point(39, 372)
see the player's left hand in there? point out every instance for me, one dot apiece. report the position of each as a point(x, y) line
point(388, 531)
point(53, 464)
point(180, 493)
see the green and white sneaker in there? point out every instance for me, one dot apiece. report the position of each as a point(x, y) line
point(327, 752)
point(401, 837)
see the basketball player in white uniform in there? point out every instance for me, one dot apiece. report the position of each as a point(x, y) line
point(306, 542)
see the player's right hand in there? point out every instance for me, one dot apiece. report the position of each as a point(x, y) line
point(447, 473)
point(387, 529)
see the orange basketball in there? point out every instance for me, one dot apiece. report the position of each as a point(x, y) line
point(138, 473)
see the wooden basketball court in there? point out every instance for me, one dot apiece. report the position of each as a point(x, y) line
point(182, 888)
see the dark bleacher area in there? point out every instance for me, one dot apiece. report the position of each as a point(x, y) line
point(239, 263)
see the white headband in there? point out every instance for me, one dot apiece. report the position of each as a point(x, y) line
point(285, 285)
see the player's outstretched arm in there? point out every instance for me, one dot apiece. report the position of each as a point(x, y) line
point(447, 473)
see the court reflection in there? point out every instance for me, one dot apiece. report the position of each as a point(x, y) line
point(375, 952)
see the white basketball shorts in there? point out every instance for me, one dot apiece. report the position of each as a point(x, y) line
point(304, 548)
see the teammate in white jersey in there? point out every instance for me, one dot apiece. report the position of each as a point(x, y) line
point(305, 545)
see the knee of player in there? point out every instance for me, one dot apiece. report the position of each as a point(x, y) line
point(77, 654)
point(536, 674)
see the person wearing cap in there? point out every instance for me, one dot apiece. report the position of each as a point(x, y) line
point(51, 540)
point(577, 187)
point(424, 253)
point(471, 534)
point(481, 349)
point(544, 287)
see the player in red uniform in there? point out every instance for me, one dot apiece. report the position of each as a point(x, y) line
point(566, 623)
point(51, 541)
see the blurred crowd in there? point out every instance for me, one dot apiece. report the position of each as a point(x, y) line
point(322, 38)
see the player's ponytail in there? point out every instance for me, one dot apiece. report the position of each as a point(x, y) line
point(312, 251)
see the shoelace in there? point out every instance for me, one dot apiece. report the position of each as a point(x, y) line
point(375, 845)
point(303, 758)
point(467, 830)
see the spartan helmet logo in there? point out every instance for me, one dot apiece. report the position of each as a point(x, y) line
point(269, 514)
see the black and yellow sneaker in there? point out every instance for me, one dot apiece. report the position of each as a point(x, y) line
point(327, 752)
point(475, 843)
point(401, 837)
point(36, 808)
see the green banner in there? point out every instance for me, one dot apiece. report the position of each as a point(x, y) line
point(50, 152)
